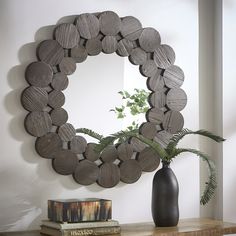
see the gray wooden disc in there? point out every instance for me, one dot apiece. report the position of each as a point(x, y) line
point(65, 162)
point(78, 53)
point(50, 52)
point(59, 116)
point(148, 130)
point(173, 77)
point(176, 99)
point(56, 99)
point(156, 82)
point(164, 56)
point(124, 47)
point(137, 145)
point(93, 46)
point(109, 44)
point(34, 98)
point(67, 132)
point(149, 68)
point(149, 39)
point(148, 159)
point(163, 138)
point(38, 123)
point(130, 171)
point(138, 56)
point(87, 25)
point(130, 28)
point(86, 172)
point(155, 116)
point(173, 122)
point(67, 65)
point(158, 99)
point(125, 151)
point(59, 81)
point(39, 74)
point(109, 175)
point(109, 154)
point(78, 145)
point(48, 145)
point(110, 23)
point(67, 35)
point(90, 154)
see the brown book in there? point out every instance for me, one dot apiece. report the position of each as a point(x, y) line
point(81, 232)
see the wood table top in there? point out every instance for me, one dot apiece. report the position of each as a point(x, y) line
point(186, 227)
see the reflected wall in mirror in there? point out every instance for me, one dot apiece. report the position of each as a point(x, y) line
point(48, 78)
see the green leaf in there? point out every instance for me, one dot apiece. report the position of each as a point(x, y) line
point(90, 132)
point(211, 184)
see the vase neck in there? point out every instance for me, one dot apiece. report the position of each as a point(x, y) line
point(165, 164)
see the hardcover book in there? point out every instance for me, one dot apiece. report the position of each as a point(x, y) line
point(81, 232)
point(81, 225)
point(79, 210)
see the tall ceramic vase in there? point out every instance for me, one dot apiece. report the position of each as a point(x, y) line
point(165, 192)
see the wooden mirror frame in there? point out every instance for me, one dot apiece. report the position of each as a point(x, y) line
point(89, 35)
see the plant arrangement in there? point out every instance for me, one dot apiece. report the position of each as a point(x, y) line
point(136, 104)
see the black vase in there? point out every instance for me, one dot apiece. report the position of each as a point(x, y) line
point(165, 192)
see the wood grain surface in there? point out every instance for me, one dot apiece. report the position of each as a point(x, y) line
point(109, 175)
point(93, 46)
point(173, 121)
point(158, 99)
point(79, 53)
point(109, 154)
point(173, 77)
point(124, 47)
point(110, 23)
point(109, 44)
point(67, 35)
point(90, 154)
point(149, 68)
point(65, 162)
point(148, 130)
point(59, 116)
point(138, 56)
point(131, 28)
point(67, 65)
point(39, 74)
point(48, 145)
point(176, 99)
point(78, 144)
point(34, 98)
point(155, 116)
point(60, 81)
point(50, 52)
point(130, 171)
point(87, 25)
point(156, 82)
point(38, 123)
point(164, 56)
point(149, 39)
point(125, 151)
point(67, 132)
point(163, 137)
point(56, 99)
point(137, 145)
point(148, 159)
point(86, 172)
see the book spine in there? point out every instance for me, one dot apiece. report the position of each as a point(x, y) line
point(92, 231)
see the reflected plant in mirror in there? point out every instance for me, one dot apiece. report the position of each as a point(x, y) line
point(135, 105)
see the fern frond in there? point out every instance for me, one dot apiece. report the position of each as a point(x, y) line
point(178, 136)
point(90, 132)
point(211, 184)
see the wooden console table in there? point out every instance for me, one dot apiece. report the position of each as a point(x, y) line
point(186, 227)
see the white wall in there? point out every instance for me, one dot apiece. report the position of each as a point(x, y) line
point(26, 180)
point(229, 112)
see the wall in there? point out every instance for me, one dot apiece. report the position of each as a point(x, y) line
point(26, 180)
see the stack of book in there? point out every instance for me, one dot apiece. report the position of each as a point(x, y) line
point(79, 217)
